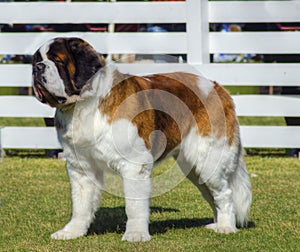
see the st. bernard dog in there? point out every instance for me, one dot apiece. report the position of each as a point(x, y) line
point(107, 120)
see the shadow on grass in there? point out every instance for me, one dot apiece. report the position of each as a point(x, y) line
point(113, 220)
point(109, 220)
point(251, 224)
point(161, 227)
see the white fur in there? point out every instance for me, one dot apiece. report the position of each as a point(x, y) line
point(92, 146)
point(44, 49)
point(54, 83)
point(106, 74)
point(205, 85)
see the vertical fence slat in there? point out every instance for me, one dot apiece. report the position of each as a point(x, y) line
point(197, 31)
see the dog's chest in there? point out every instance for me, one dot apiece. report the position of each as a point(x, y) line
point(80, 130)
point(88, 139)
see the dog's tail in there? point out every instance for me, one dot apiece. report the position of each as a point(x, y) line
point(241, 192)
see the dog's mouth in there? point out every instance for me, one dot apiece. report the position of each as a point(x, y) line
point(45, 96)
point(39, 92)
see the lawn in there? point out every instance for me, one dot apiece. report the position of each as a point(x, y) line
point(35, 201)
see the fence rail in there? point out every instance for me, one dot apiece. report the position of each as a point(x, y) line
point(118, 12)
point(197, 43)
point(285, 74)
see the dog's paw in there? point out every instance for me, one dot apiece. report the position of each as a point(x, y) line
point(136, 236)
point(65, 235)
point(212, 226)
point(221, 229)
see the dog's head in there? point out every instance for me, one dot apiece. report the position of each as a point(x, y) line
point(62, 68)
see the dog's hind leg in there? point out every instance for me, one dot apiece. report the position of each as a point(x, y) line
point(213, 168)
point(190, 173)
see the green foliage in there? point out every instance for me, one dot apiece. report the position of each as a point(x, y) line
point(35, 202)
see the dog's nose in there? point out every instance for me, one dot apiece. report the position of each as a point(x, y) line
point(39, 68)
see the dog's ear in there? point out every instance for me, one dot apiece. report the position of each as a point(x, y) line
point(87, 61)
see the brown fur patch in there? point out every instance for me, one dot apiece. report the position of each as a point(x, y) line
point(171, 103)
point(76, 60)
point(228, 108)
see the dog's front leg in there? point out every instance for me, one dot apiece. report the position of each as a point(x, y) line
point(137, 190)
point(86, 190)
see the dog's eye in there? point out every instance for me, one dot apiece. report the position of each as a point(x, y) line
point(59, 61)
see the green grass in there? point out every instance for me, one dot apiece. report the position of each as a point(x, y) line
point(8, 91)
point(235, 90)
point(35, 122)
point(35, 201)
point(261, 121)
point(244, 120)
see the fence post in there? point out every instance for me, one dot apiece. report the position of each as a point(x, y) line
point(197, 31)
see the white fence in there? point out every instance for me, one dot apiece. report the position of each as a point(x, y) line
point(197, 43)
